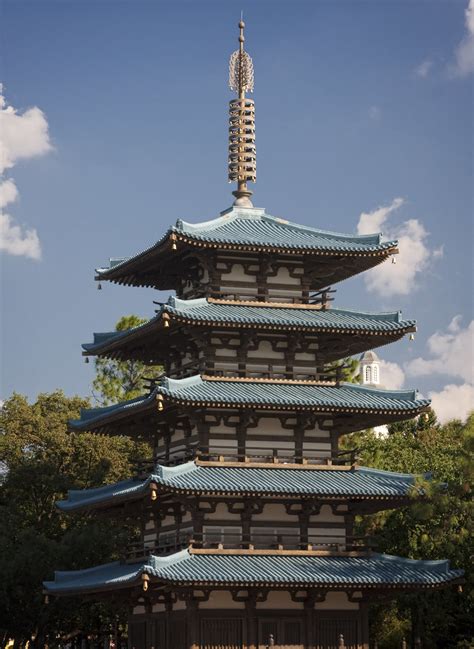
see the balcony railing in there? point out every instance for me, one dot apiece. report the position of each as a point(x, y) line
point(262, 455)
point(256, 541)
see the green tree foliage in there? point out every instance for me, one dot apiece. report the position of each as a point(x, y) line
point(441, 526)
point(121, 380)
point(41, 461)
point(349, 372)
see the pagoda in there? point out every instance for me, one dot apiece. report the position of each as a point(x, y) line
point(247, 507)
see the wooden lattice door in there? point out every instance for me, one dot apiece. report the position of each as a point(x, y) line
point(328, 629)
point(287, 633)
point(137, 635)
point(222, 633)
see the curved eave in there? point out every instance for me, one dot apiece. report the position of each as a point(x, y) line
point(272, 481)
point(380, 333)
point(221, 569)
point(172, 394)
point(240, 230)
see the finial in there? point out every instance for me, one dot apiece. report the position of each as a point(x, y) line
point(242, 152)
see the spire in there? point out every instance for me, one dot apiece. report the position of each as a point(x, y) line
point(242, 156)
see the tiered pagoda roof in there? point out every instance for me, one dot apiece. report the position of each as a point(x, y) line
point(251, 230)
point(358, 330)
point(262, 568)
point(286, 270)
point(198, 478)
point(199, 391)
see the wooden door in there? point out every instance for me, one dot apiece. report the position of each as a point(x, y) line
point(160, 634)
point(222, 633)
point(329, 628)
point(287, 632)
point(137, 635)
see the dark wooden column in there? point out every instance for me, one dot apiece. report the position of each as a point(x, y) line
point(364, 625)
point(168, 617)
point(251, 617)
point(308, 620)
point(192, 618)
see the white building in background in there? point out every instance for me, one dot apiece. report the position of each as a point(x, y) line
point(369, 367)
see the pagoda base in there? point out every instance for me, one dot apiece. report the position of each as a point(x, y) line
point(207, 628)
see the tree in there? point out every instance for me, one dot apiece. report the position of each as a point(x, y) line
point(439, 527)
point(117, 381)
point(41, 462)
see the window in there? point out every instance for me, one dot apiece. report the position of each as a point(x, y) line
point(368, 374)
point(375, 374)
point(227, 535)
point(174, 538)
point(272, 536)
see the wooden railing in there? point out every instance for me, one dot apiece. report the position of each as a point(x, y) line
point(278, 456)
point(257, 541)
point(144, 466)
point(270, 541)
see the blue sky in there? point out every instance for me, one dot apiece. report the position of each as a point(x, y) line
point(359, 106)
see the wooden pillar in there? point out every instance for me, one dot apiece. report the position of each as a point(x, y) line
point(246, 519)
point(364, 625)
point(304, 523)
point(192, 618)
point(168, 616)
point(308, 621)
point(251, 616)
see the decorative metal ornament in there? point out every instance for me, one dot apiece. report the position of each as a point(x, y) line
point(241, 76)
point(242, 151)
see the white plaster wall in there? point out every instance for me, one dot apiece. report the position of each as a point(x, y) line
point(326, 515)
point(280, 599)
point(168, 520)
point(221, 513)
point(274, 512)
point(219, 599)
point(283, 277)
point(337, 601)
point(264, 350)
point(179, 605)
point(158, 608)
point(269, 426)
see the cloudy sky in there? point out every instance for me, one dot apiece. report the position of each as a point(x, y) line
point(113, 125)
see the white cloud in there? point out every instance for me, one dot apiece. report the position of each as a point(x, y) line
point(8, 192)
point(464, 53)
point(423, 70)
point(414, 257)
point(392, 377)
point(452, 355)
point(22, 136)
point(453, 402)
point(15, 241)
point(370, 222)
point(451, 351)
point(375, 112)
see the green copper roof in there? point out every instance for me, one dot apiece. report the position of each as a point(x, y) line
point(375, 570)
point(194, 478)
point(250, 229)
point(347, 398)
point(201, 311)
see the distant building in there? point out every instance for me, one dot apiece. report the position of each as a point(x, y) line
point(369, 367)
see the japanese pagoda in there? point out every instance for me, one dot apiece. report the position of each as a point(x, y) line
point(247, 508)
